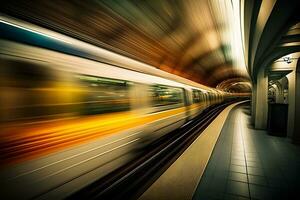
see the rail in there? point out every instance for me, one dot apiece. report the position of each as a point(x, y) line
point(131, 180)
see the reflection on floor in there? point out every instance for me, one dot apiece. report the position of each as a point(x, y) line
point(249, 164)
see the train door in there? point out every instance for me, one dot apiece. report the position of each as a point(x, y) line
point(188, 98)
point(140, 98)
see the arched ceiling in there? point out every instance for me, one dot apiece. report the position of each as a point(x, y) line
point(271, 31)
point(196, 39)
point(235, 85)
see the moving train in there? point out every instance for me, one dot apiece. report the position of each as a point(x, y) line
point(72, 112)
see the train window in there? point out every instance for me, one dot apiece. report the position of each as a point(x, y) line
point(205, 95)
point(32, 90)
point(24, 74)
point(170, 97)
point(104, 94)
point(27, 90)
point(197, 96)
point(202, 96)
point(210, 96)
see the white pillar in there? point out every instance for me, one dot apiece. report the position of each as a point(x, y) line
point(291, 101)
point(261, 108)
point(296, 131)
point(253, 103)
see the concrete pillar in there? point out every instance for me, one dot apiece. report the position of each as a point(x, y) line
point(253, 103)
point(261, 104)
point(291, 101)
point(296, 131)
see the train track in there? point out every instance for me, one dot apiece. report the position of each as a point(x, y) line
point(132, 179)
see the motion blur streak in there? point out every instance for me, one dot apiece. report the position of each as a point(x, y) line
point(31, 30)
point(47, 137)
point(87, 87)
point(190, 38)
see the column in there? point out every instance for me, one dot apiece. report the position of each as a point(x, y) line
point(261, 108)
point(296, 131)
point(291, 101)
point(253, 103)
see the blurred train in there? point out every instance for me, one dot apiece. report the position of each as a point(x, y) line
point(71, 112)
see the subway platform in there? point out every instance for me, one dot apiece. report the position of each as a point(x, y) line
point(250, 164)
point(232, 160)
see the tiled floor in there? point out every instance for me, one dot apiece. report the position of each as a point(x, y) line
point(250, 164)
